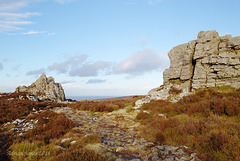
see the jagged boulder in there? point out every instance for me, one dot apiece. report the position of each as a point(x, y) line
point(45, 89)
point(209, 61)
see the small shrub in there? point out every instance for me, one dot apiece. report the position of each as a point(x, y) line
point(174, 91)
point(143, 116)
point(159, 137)
point(195, 127)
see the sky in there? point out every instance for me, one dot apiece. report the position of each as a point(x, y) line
point(102, 47)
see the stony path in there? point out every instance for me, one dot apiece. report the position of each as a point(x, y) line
point(119, 137)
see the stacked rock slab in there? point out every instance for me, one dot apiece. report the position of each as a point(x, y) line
point(209, 61)
point(45, 89)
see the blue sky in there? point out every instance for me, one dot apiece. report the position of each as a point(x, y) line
point(102, 47)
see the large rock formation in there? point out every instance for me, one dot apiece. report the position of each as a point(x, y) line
point(209, 61)
point(45, 89)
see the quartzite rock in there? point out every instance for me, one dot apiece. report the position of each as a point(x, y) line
point(209, 61)
point(45, 89)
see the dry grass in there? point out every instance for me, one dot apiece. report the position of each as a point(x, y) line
point(207, 122)
point(103, 105)
point(40, 151)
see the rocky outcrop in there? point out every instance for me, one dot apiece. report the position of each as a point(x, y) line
point(45, 89)
point(209, 61)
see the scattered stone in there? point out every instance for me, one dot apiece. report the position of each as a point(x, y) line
point(121, 143)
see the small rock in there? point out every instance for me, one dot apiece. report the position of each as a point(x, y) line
point(171, 158)
point(155, 158)
point(146, 158)
point(66, 139)
point(121, 149)
point(73, 142)
point(183, 158)
point(155, 153)
point(193, 154)
point(140, 146)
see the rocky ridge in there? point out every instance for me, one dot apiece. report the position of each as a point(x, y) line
point(45, 89)
point(209, 61)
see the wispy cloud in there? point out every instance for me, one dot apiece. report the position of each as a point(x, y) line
point(13, 16)
point(142, 62)
point(12, 5)
point(12, 20)
point(96, 81)
point(33, 32)
point(15, 21)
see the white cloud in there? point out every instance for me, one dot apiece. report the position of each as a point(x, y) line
point(142, 62)
point(89, 69)
point(64, 66)
point(94, 81)
point(78, 66)
point(36, 72)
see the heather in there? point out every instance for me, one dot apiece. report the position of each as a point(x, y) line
point(207, 122)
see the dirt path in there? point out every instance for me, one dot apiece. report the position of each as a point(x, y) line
point(120, 139)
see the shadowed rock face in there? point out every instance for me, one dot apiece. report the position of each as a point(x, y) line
point(45, 89)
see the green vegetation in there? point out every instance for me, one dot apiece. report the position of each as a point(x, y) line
point(207, 122)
